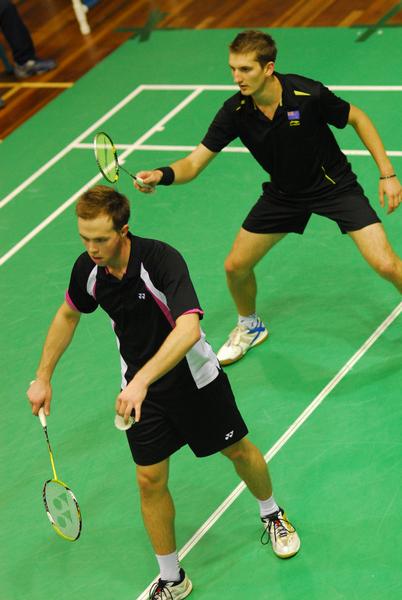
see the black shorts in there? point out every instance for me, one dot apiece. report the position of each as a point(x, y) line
point(349, 208)
point(206, 419)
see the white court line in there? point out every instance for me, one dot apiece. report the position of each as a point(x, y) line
point(286, 436)
point(351, 88)
point(69, 147)
point(170, 148)
point(164, 87)
point(67, 203)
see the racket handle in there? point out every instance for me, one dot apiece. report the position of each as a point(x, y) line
point(141, 183)
point(42, 416)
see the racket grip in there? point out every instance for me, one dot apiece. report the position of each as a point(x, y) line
point(142, 184)
point(42, 416)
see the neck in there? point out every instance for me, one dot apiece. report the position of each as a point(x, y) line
point(118, 264)
point(270, 94)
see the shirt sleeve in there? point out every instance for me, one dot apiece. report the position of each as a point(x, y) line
point(334, 110)
point(83, 278)
point(221, 132)
point(176, 284)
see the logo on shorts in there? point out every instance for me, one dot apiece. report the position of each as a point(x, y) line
point(229, 435)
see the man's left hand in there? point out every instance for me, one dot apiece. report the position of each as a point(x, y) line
point(393, 190)
point(131, 398)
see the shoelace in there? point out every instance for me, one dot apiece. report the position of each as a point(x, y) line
point(159, 591)
point(279, 525)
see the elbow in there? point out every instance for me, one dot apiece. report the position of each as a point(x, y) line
point(196, 335)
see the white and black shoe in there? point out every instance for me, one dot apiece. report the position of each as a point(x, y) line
point(283, 536)
point(171, 590)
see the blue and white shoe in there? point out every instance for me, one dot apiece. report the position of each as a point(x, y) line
point(240, 340)
point(34, 66)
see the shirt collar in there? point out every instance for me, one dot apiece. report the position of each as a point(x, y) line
point(289, 100)
point(133, 265)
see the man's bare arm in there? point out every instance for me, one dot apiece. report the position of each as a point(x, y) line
point(58, 338)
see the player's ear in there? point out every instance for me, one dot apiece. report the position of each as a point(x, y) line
point(124, 230)
point(269, 68)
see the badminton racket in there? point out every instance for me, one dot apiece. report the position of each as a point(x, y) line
point(107, 160)
point(60, 503)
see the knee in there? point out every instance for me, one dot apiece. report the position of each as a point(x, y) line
point(239, 452)
point(390, 268)
point(150, 483)
point(234, 265)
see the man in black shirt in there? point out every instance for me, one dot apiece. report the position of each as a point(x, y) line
point(171, 380)
point(284, 121)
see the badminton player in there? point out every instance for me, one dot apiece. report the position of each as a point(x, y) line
point(171, 384)
point(284, 121)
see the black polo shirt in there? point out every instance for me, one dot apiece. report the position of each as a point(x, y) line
point(143, 307)
point(297, 147)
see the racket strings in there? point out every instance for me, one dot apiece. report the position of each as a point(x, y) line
point(106, 158)
point(62, 509)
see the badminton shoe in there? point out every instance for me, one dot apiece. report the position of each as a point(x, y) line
point(284, 539)
point(171, 590)
point(240, 341)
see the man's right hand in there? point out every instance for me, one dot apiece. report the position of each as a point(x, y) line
point(150, 178)
point(40, 394)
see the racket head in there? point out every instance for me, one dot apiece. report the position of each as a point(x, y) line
point(62, 509)
point(106, 157)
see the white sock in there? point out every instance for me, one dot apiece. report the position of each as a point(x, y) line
point(250, 321)
point(169, 566)
point(267, 507)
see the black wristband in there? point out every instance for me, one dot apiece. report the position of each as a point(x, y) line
point(167, 175)
point(388, 176)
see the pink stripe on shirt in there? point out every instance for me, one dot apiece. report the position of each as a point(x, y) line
point(70, 302)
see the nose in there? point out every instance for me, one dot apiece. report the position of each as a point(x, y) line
point(236, 76)
point(92, 249)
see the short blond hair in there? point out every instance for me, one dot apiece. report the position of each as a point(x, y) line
point(104, 200)
point(255, 41)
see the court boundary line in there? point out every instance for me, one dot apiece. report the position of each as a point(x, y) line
point(239, 149)
point(27, 238)
point(162, 87)
point(62, 153)
point(285, 437)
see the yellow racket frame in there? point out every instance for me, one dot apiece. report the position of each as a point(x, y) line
point(57, 481)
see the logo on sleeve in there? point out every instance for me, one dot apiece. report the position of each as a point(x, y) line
point(229, 435)
point(141, 296)
point(294, 117)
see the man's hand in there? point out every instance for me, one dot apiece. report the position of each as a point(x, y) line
point(40, 394)
point(131, 398)
point(393, 190)
point(150, 178)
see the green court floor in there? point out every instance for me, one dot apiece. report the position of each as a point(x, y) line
point(338, 474)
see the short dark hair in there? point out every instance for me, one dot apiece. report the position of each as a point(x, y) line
point(255, 41)
point(102, 199)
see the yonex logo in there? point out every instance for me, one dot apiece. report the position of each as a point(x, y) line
point(229, 435)
point(141, 296)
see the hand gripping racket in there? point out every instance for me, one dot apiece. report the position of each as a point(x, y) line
point(107, 161)
point(60, 503)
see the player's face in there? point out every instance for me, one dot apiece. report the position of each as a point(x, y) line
point(247, 72)
point(103, 243)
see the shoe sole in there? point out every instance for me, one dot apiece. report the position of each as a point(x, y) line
point(186, 592)
point(285, 556)
point(226, 362)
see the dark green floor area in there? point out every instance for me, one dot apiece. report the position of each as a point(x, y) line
point(338, 476)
